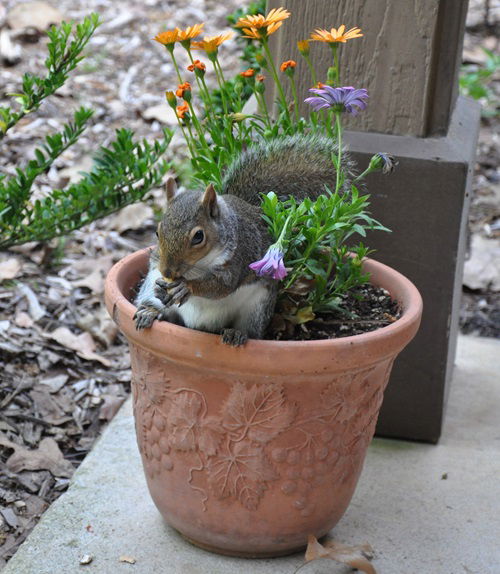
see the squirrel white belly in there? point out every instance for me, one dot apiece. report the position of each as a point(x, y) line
point(199, 274)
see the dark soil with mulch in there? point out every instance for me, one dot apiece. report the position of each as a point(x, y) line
point(363, 309)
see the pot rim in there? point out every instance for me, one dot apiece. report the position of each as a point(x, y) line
point(191, 346)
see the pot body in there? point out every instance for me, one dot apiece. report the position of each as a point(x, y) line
point(249, 450)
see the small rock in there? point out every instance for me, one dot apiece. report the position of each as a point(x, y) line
point(38, 15)
point(128, 559)
point(162, 113)
point(10, 53)
point(86, 559)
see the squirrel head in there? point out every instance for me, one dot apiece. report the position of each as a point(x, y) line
point(189, 234)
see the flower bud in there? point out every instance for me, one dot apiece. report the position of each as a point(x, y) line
point(384, 162)
point(303, 46)
point(238, 117)
point(331, 76)
point(261, 60)
point(238, 86)
point(171, 99)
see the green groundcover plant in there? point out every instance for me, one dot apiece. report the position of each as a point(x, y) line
point(314, 256)
point(122, 173)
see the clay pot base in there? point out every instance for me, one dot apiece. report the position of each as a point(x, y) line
point(237, 554)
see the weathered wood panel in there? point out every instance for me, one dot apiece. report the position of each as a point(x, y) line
point(406, 59)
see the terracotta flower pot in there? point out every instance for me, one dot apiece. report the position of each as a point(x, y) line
point(249, 450)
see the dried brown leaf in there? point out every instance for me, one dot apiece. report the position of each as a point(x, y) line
point(46, 457)
point(353, 556)
point(82, 344)
point(132, 216)
point(109, 406)
point(9, 268)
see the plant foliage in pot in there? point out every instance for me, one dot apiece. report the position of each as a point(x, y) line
point(250, 444)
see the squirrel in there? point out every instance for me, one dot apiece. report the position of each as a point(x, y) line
point(199, 273)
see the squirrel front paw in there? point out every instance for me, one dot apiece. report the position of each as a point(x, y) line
point(233, 337)
point(144, 316)
point(172, 293)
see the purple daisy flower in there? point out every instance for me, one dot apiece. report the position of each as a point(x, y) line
point(339, 99)
point(271, 264)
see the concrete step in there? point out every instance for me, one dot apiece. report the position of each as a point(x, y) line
point(425, 509)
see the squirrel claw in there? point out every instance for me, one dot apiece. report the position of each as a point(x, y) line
point(171, 293)
point(144, 316)
point(233, 337)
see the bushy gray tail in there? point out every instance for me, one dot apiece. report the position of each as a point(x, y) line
point(298, 165)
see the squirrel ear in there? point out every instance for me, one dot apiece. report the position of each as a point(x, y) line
point(170, 189)
point(209, 201)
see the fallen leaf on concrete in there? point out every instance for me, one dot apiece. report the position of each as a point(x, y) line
point(353, 556)
point(38, 15)
point(46, 457)
point(9, 268)
point(82, 344)
point(128, 559)
point(482, 269)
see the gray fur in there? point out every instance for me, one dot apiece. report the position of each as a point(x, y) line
point(299, 165)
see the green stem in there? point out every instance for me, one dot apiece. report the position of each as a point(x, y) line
point(276, 78)
point(311, 69)
point(295, 99)
point(261, 104)
point(186, 137)
point(174, 61)
point(336, 64)
point(220, 81)
point(364, 174)
point(339, 143)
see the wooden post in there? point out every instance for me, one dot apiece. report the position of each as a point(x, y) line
point(408, 60)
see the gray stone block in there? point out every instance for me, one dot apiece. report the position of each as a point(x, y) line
point(425, 203)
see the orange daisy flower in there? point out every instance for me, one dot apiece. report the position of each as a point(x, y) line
point(181, 110)
point(335, 35)
point(248, 73)
point(198, 65)
point(191, 32)
point(181, 88)
point(288, 64)
point(259, 26)
point(168, 37)
point(211, 43)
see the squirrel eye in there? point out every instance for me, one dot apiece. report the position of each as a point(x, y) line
point(198, 237)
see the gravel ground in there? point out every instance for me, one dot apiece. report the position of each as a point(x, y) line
point(54, 401)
